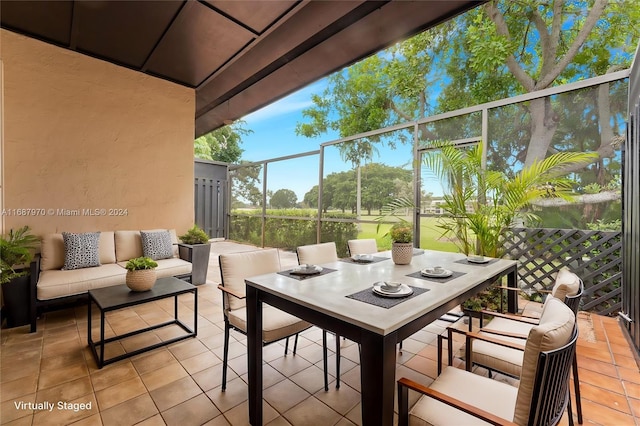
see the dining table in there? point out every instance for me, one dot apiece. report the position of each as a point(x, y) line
point(348, 298)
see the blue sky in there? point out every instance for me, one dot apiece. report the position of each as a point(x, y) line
point(274, 136)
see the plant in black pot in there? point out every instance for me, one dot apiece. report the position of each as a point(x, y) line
point(16, 252)
point(195, 248)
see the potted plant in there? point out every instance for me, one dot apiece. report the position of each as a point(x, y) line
point(195, 248)
point(16, 252)
point(401, 235)
point(141, 273)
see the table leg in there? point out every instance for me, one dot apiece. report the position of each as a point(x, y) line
point(89, 322)
point(101, 361)
point(512, 296)
point(254, 348)
point(378, 378)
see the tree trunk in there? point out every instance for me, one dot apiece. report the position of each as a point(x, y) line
point(544, 122)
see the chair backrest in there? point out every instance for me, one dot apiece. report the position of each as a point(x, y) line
point(569, 288)
point(364, 246)
point(317, 253)
point(235, 267)
point(548, 355)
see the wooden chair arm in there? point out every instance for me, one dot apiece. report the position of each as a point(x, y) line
point(475, 335)
point(231, 292)
point(453, 402)
point(504, 287)
point(504, 333)
point(520, 318)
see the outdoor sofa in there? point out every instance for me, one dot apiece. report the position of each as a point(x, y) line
point(61, 276)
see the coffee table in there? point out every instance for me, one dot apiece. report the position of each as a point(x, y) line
point(109, 299)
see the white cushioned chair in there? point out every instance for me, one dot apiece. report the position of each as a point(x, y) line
point(459, 397)
point(317, 254)
point(277, 325)
point(364, 246)
point(498, 346)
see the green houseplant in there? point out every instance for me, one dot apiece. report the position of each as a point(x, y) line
point(141, 274)
point(401, 235)
point(16, 252)
point(196, 249)
point(481, 204)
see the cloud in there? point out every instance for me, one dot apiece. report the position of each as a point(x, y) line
point(296, 101)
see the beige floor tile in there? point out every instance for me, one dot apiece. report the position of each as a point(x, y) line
point(58, 361)
point(151, 361)
point(239, 415)
point(290, 365)
point(341, 400)
point(194, 411)
point(17, 408)
point(200, 362)
point(284, 395)
point(139, 341)
point(121, 392)
point(163, 376)
point(211, 377)
point(310, 379)
point(156, 420)
point(61, 375)
point(130, 412)
point(312, 411)
point(187, 349)
point(113, 374)
point(279, 421)
point(217, 421)
point(19, 387)
point(93, 420)
point(68, 391)
point(67, 412)
point(235, 394)
point(175, 393)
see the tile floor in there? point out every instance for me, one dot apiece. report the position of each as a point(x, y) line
point(180, 384)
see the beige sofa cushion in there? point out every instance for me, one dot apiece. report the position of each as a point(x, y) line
point(128, 244)
point(554, 331)
point(58, 283)
point(52, 250)
point(491, 395)
point(168, 267)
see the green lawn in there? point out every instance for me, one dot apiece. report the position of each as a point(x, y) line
point(429, 235)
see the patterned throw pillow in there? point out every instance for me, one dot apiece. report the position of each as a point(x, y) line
point(157, 244)
point(81, 250)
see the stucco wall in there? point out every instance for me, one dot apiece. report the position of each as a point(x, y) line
point(110, 147)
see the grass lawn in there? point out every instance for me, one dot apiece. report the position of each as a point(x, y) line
point(429, 235)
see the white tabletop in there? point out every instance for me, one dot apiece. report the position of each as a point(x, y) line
point(327, 293)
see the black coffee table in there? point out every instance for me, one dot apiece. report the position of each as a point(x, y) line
point(117, 297)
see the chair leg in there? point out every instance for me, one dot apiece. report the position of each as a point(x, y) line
point(225, 358)
point(337, 362)
point(569, 408)
point(440, 337)
point(295, 344)
point(576, 384)
point(400, 347)
point(286, 345)
point(324, 360)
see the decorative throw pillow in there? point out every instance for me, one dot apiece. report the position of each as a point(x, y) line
point(157, 244)
point(81, 250)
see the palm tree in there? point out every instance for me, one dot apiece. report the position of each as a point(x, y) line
point(481, 204)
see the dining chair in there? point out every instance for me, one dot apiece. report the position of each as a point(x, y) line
point(498, 345)
point(317, 254)
point(460, 397)
point(277, 325)
point(363, 246)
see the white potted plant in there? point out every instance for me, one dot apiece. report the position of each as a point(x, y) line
point(401, 235)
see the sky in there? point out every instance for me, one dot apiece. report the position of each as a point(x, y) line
point(274, 136)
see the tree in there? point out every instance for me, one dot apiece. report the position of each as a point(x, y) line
point(283, 199)
point(222, 144)
point(245, 181)
point(501, 49)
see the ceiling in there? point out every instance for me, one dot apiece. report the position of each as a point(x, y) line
point(238, 55)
